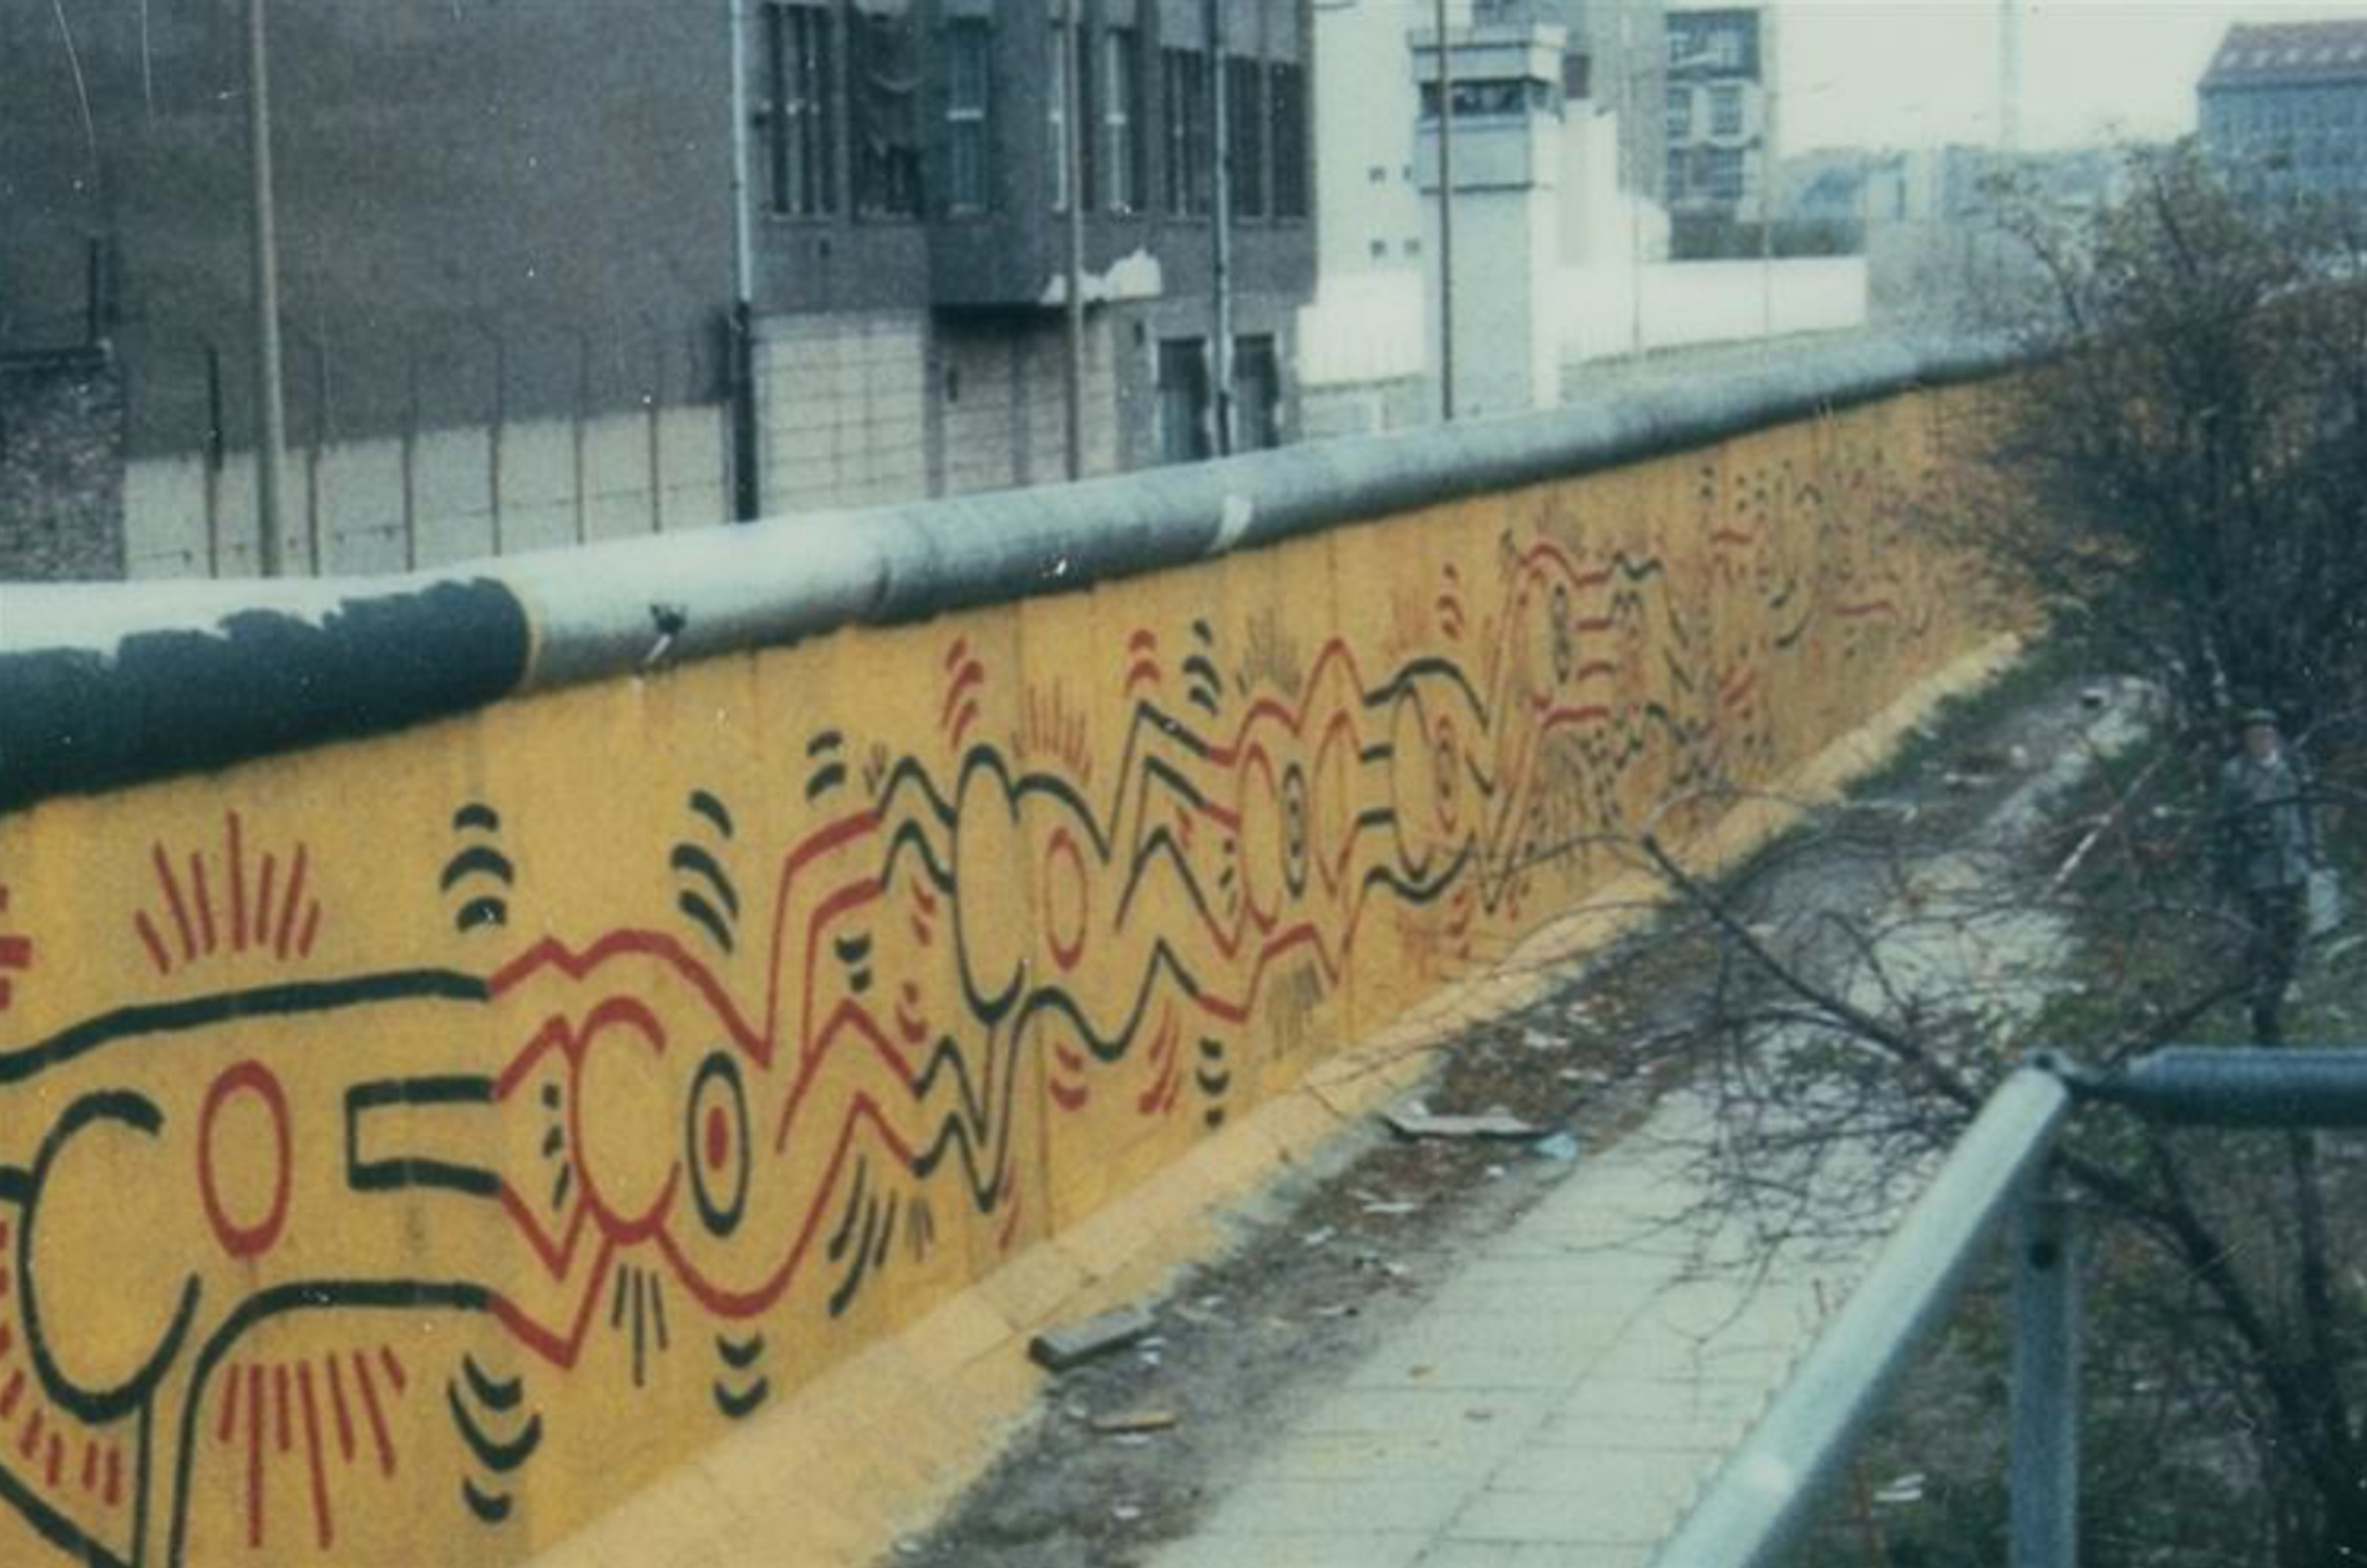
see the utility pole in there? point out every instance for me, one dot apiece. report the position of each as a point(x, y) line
point(2008, 76)
point(1766, 194)
point(1631, 133)
point(270, 407)
point(1072, 152)
point(1445, 217)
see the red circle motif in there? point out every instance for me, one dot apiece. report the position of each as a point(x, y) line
point(1068, 899)
point(240, 1235)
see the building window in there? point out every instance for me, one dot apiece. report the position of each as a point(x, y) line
point(1190, 132)
point(1257, 393)
point(1726, 111)
point(970, 58)
point(1494, 97)
point(1122, 171)
point(1183, 430)
point(1577, 77)
point(796, 109)
point(1287, 102)
point(884, 87)
point(1681, 114)
point(1245, 128)
point(1725, 173)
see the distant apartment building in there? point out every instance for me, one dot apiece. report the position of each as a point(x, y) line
point(1720, 112)
point(2283, 108)
point(522, 308)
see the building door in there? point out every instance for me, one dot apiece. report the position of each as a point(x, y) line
point(1183, 432)
point(1257, 393)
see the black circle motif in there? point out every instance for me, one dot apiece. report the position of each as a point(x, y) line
point(718, 1088)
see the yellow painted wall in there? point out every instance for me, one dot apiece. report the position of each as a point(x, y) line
point(409, 1148)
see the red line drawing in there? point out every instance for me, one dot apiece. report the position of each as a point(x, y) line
point(155, 946)
point(337, 1408)
point(204, 899)
point(237, 885)
point(172, 887)
point(294, 900)
point(377, 1415)
point(323, 1532)
point(254, 1456)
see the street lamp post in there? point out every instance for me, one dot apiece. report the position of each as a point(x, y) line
point(271, 414)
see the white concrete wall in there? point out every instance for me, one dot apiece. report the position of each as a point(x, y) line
point(842, 408)
point(1363, 327)
point(871, 408)
point(1688, 303)
point(556, 480)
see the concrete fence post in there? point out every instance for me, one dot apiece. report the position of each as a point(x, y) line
point(2044, 1476)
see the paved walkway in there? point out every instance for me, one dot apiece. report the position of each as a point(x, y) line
point(1558, 1405)
point(1563, 1401)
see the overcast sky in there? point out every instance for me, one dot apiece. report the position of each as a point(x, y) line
point(1912, 72)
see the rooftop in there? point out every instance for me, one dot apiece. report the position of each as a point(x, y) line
point(2289, 54)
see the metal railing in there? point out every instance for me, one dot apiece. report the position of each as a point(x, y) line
point(1764, 1496)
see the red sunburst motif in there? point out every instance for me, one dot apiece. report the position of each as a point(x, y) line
point(229, 901)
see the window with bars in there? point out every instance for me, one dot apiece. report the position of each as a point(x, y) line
point(1286, 103)
point(884, 85)
point(1122, 151)
point(1245, 128)
point(797, 115)
point(970, 74)
point(1188, 133)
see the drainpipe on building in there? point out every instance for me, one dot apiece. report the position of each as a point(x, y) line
point(1073, 155)
point(271, 405)
point(1220, 357)
point(739, 334)
point(1445, 217)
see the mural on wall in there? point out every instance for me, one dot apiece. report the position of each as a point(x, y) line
point(409, 1147)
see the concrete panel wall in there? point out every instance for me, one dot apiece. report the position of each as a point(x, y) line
point(467, 494)
point(842, 403)
point(412, 1146)
point(1690, 303)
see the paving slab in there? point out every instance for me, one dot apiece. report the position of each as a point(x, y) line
point(1562, 1401)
